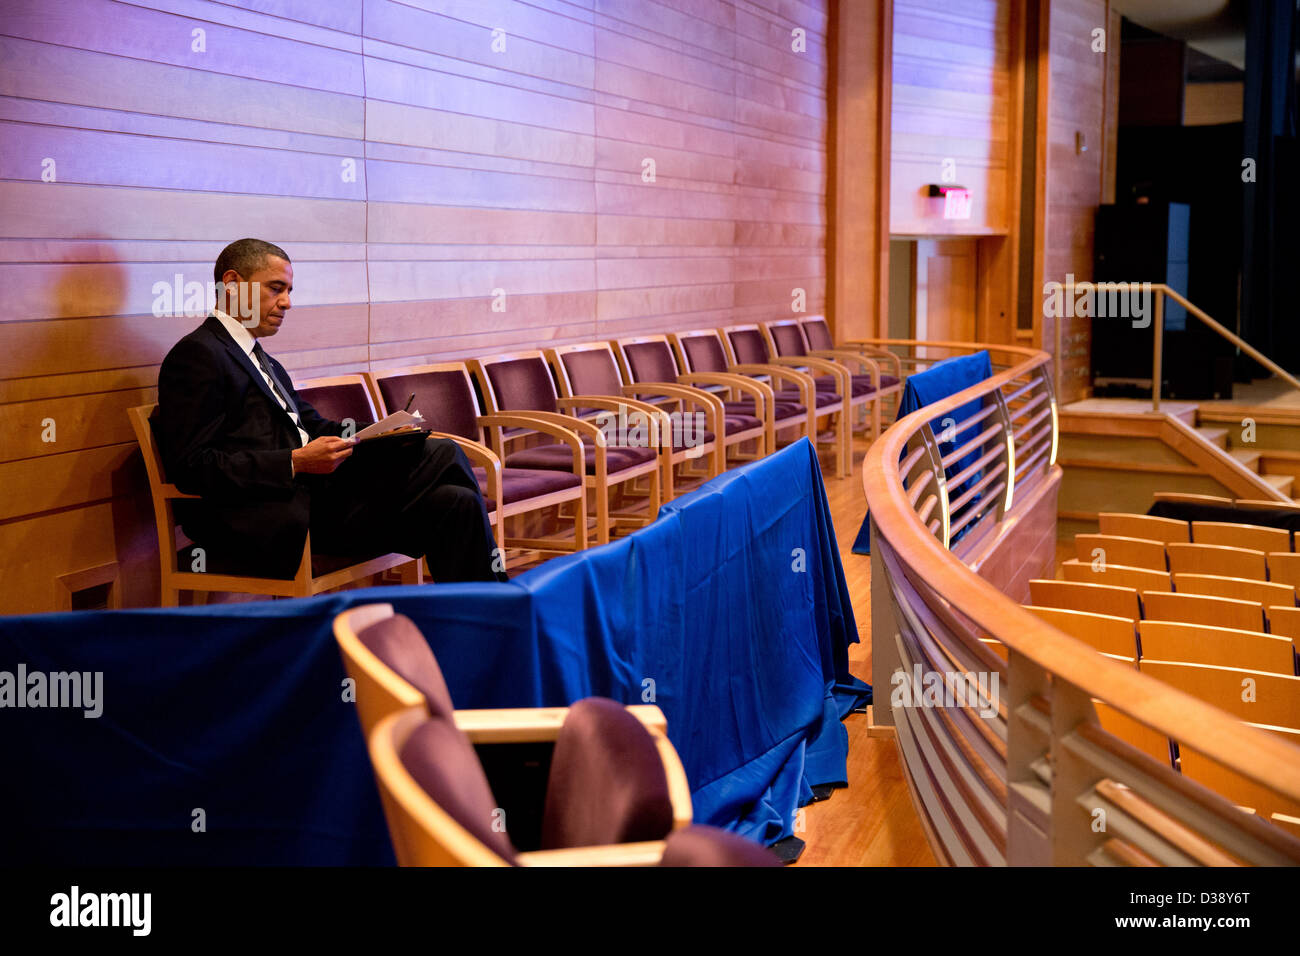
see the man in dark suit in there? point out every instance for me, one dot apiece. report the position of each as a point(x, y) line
point(268, 467)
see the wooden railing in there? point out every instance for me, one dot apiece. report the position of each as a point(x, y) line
point(1006, 761)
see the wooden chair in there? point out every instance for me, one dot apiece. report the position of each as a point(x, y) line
point(746, 345)
point(590, 368)
point(1203, 609)
point(1217, 646)
point(1081, 596)
point(1240, 790)
point(1276, 696)
point(1264, 593)
point(1140, 579)
point(869, 386)
point(822, 344)
point(749, 405)
point(315, 574)
point(1252, 537)
point(1144, 526)
point(1217, 559)
point(341, 398)
point(445, 397)
point(1284, 568)
point(794, 403)
point(521, 382)
point(1151, 742)
point(1130, 552)
point(1113, 636)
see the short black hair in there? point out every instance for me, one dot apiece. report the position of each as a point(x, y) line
point(246, 256)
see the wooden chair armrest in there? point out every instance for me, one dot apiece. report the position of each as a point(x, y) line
point(711, 404)
point(807, 387)
point(509, 725)
point(875, 351)
point(168, 490)
point(610, 403)
point(842, 374)
point(485, 458)
point(618, 854)
point(848, 358)
point(564, 428)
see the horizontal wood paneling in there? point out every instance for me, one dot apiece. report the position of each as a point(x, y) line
point(410, 168)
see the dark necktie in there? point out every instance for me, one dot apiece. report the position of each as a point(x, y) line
point(280, 393)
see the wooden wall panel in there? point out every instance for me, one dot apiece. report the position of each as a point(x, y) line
point(413, 163)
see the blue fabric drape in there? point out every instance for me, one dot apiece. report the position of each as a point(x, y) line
point(925, 388)
point(731, 612)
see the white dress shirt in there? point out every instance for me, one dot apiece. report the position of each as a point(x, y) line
point(246, 340)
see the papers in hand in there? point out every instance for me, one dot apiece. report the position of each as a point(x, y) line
point(391, 423)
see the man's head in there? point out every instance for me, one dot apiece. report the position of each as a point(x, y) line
point(256, 278)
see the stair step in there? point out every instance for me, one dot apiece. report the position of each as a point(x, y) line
point(1282, 483)
point(1218, 436)
point(1248, 458)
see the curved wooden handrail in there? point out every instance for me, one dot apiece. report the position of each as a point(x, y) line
point(926, 564)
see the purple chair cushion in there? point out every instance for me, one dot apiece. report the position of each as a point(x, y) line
point(517, 484)
point(523, 385)
point(651, 362)
point(788, 340)
point(340, 402)
point(399, 644)
point(444, 399)
point(741, 423)
point(560, 457)
point(710, 846)
point(443, 762)
point(607, 783)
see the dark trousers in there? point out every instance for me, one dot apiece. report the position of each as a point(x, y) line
point(421, 501)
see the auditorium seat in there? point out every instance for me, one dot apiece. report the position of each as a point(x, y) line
point(867, 382)
point(1264, 593)
point(1218, 646)
point(1250, 536)
point(590, 368)
point(795, 395)
point(1112, 636)
point(1144, 526)
point(751, 412)
point(521, 382)
point(316, 573)
point(1235, 787)
point(1084, 596)
point(1276, 696)
point(1217, 559)
point(746, 345)
point(1184, 498)
point(1284, 568)
point(820, 343)
point(1203, 609)
point(1140, 579)
point(1151, 742)
point(390, 664)
point(341, 398)
point(1115, 549)
point(444, 395)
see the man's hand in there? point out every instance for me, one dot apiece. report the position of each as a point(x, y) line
point(321, 455)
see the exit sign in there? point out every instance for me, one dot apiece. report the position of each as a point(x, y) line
point(956, 203)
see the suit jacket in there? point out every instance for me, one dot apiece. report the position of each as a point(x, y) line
point(224, 437)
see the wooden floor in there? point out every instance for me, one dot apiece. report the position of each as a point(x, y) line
point(871, 822)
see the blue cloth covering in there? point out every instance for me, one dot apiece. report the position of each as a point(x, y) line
point(925, 388)
point(734, 604)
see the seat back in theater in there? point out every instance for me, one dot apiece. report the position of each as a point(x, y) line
point(340, 398)
point(647, 358)
point(1147, 527)
point(701, 350)
point(442, 393)
point(747, 343)
point(587, 369)
point(1082, 596)
point(785, 338)
point(817, 333)
point(516, 381)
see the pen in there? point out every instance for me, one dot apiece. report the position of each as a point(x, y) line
point(408, 403)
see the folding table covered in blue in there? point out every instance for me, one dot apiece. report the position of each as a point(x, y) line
point(225, 738)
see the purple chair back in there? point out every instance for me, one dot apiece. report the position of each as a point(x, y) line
point(399, 644)
point(710, 846)
point(340, 402)
point(788, 339)
point(444, 399)
point(819, 335)
point(651, 361)
point(607, 781)
point(748, 345)
point(442, 761)
point(523, 384)
point(704, 353)
point(592, 371)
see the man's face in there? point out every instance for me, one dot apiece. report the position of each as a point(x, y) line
point(272, 283)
